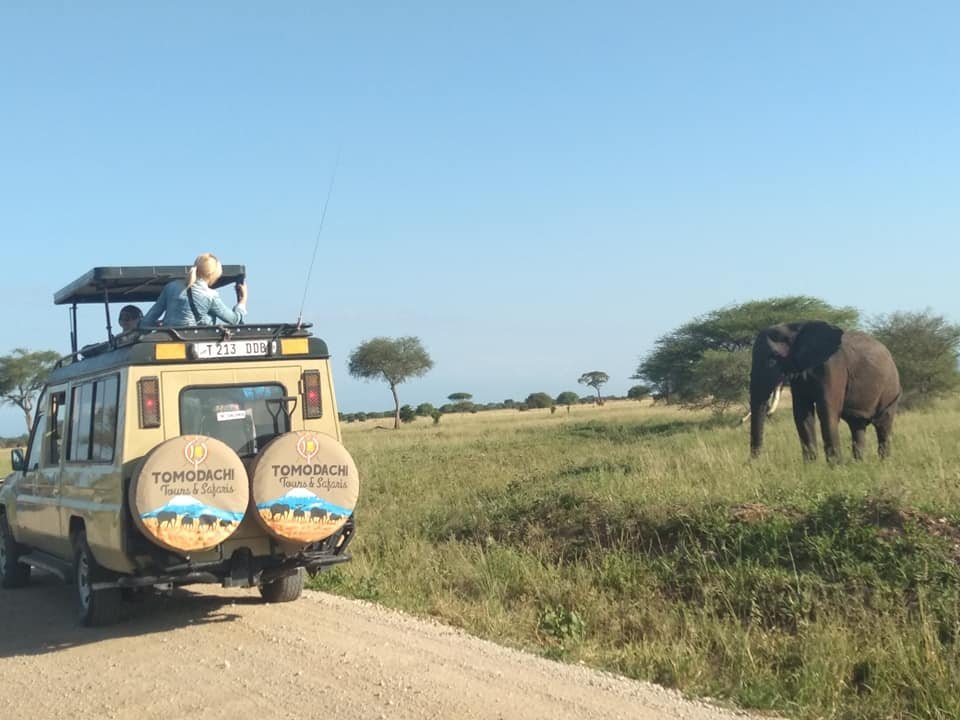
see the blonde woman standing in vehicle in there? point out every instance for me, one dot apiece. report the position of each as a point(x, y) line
point(192, 301)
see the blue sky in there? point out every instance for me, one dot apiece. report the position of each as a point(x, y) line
point(534, 189)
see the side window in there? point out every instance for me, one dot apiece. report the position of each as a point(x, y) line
point(36, 437)
point(105, 419)
point(81, 410)
point(93, 421)
point(53, 437)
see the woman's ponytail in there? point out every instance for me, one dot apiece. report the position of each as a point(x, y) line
point(191, 275)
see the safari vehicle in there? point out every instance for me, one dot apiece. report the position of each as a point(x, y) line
point(174, 455)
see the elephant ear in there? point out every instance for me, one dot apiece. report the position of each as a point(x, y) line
point(814, 345)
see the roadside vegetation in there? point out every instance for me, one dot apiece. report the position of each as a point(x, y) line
point(641, 540)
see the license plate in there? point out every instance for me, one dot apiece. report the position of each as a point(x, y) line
point(231, 348)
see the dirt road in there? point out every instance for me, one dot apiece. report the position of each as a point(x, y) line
point(212, 653)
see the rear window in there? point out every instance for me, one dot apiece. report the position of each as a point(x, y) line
point(245, 417)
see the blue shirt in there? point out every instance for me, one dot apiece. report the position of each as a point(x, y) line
point(174, 306)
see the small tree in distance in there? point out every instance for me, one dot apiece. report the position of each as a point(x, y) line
point(461, 402)
point(594, 378)
point(425, 410)
point(393, 360)
point(538, 400)
point(22, 376)
point(568, 398)
point(638, 392)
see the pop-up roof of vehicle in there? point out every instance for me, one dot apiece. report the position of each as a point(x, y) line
point(125, 284)
point(131, 284)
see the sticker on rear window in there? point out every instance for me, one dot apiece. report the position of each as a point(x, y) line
point(225, 415)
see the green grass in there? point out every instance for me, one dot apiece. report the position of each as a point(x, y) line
point(643, 541)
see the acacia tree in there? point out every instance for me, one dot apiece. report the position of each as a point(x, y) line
point(394, 360)
point(594, 378)
point(461, 402)
point(718, 380)
point(673, 369)
point(22, 376)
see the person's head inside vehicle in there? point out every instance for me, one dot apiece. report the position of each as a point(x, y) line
point(207, 268)
point(129, 317)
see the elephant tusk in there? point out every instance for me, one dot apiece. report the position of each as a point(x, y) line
point(774, 401)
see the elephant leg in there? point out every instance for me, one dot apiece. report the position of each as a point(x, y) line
point(884, 427)
point(830, 429)
point(803, 417)
point(858, 428)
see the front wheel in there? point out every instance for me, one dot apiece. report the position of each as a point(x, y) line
point(96, 607)
point(13, 573)
point(285, 589)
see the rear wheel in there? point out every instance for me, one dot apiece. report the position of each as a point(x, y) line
point(13, 573)
point(96, 607)
point(283, 589)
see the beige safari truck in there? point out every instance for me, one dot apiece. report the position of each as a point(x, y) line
point(175, 455)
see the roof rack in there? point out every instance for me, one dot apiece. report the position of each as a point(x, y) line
point(141, 283)
point(131, 283)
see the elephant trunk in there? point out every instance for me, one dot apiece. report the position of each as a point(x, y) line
point(758, 417)
point(762, 387)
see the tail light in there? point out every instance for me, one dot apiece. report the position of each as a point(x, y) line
point(148, 391)
point(312, 406)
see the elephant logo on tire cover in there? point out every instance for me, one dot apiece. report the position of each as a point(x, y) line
point(308, 447)
point(195, 452)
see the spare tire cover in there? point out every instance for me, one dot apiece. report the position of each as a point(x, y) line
point(190, 494)
point(304, 486)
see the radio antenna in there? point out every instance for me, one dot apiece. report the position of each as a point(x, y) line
point(316, 245)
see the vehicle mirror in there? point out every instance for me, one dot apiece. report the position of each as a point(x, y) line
point(17, 460)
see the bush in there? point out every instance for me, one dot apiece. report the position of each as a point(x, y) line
point(568, 398)
point(407, 414)
point(638, 392)
point(924, 346)
point(425, 410)
point(538, 400)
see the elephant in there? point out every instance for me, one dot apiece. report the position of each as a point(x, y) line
point(835, 374)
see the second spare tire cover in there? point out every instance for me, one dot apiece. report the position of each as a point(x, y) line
point(304, 486)
point(190, 494)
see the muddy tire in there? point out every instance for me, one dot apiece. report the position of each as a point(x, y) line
point(285, 589)
point(95, 607)
point(13, 573)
